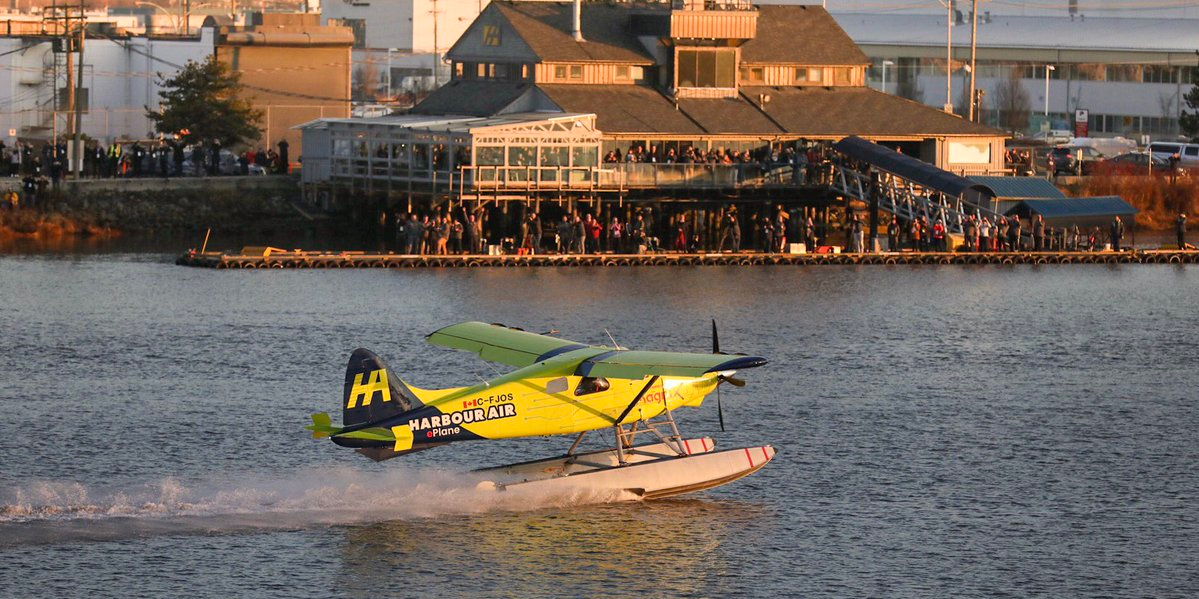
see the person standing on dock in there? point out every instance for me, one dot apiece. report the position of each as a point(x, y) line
point(1117, 233)
point(984, 235)
point(1013, 234)
point(1038, 234)
point(855, 235)
point(1180, 230)
point(615, 229)
point(729, 231)
point(412, 234)
point(564, 230)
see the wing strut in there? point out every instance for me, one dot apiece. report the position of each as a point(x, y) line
point(644, 390)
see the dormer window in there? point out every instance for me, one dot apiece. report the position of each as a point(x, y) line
point(808, 75)
point(707, 68)
point(753, 74)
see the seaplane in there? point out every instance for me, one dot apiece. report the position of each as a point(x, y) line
point(559, 387)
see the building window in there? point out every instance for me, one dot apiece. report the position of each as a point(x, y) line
point(560, 72)
point(1157, 74)
point(501, 71)
point(526, 72)
point(844, 75)
point(1124, 72)
point(753, 74)
point(808, 75)
point(576, 71)
point(699, 68)
point(622, 73)
point(458, 70)
point(491, 35)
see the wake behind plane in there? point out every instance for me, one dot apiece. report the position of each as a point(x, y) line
point(559, 387)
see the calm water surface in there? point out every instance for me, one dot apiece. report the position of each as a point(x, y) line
point(944, 432)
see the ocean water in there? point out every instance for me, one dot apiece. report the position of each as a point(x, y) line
point(965, 432)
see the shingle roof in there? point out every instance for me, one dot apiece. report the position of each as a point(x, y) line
point(623, 108)
point(800, 34)
point(474, 98)
point(545, 27)
point(841, 111)
point(1009, 188)
point(729, 115)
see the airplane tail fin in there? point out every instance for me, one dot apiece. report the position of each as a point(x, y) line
point(372, 391)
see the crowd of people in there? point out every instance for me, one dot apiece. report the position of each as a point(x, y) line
point(43, 167)
point(1004, 234)
point(165, 158)
point(524, 230)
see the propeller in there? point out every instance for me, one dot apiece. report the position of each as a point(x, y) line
point(720, 378)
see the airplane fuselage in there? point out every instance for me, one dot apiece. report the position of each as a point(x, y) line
point(515, 406)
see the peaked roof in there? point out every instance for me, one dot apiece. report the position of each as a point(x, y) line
point(800, 34)
point(471, 97)
point(545, 27)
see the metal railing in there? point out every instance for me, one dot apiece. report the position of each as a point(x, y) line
point(910, 201)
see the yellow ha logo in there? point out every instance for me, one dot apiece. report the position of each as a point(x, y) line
point(378, 382)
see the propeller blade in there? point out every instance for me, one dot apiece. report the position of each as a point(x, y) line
point(736, 382)
point(715, 338)
point(719, 409)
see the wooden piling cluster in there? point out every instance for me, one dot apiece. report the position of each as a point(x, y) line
point(302, 259)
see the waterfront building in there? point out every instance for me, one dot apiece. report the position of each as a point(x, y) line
point(1126, 71)
point(677, 83)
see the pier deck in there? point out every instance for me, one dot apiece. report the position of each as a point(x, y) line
point(302, 259)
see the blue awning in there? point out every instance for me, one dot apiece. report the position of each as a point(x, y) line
point(1019, 188)
point(1075, 208)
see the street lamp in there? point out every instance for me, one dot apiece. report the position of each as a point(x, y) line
point(885, 64)
point(389, 51)
point(1048, 69)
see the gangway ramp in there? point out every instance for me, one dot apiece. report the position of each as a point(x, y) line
point(909, 187)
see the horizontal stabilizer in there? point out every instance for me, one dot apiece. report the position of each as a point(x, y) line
point(322, 426)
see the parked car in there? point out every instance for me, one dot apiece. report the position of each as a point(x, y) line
point(1053, 136)
point(1188, 154)
point(1136, 164)
point(1067, 160)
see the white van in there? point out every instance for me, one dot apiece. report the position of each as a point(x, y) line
point(1188, 154)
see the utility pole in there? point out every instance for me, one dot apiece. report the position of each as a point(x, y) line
point(973, 59)
point(949, 21)
point(436, 49)
point(67, 47)
point(76, 151)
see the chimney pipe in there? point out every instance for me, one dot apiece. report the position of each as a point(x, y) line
point(576, 28)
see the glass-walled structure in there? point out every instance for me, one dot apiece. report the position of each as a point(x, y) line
point(529, 149)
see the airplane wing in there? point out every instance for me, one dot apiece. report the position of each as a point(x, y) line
point(639, 364)
point(498, 343)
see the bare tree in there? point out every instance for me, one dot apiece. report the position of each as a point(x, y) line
point(1013, 103)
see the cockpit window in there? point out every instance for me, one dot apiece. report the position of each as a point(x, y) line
point(591, 384)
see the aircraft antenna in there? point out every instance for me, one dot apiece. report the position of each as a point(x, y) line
point(614, 343)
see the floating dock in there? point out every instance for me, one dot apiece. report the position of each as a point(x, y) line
point(272, 258)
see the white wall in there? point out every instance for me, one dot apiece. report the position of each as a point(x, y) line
point(407, 25)
point(121, 78)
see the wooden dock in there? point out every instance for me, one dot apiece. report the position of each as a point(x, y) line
point(272, 258)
